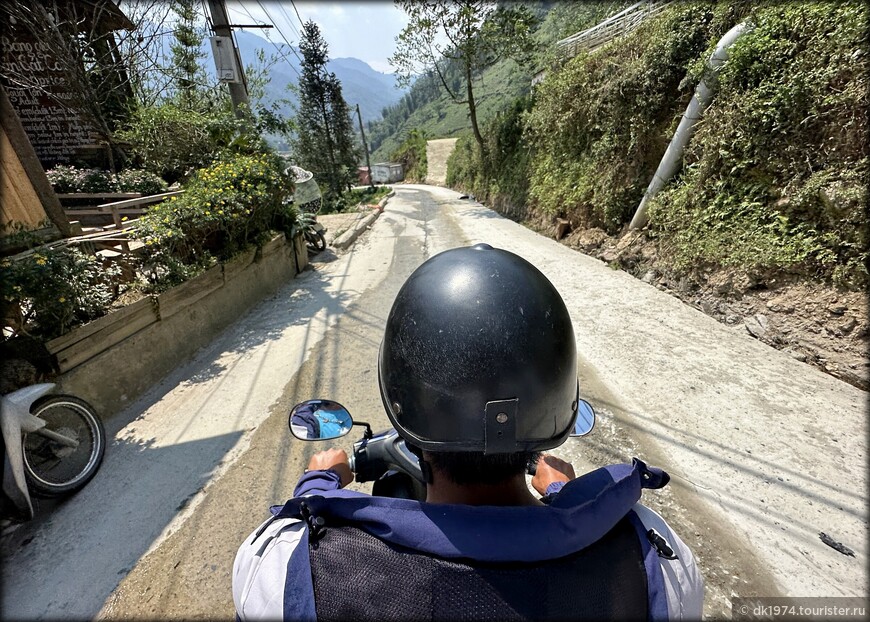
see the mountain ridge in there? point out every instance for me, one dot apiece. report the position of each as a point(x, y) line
point(360, 83)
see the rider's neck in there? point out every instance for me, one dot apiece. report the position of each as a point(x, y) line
point(513, 491)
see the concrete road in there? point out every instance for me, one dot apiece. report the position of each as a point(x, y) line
point(766, 452)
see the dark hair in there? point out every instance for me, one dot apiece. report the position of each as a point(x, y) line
point(469, 468)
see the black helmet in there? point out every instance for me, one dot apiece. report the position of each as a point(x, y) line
point(479, 355)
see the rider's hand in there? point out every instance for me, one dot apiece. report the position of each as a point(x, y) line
point(335, 459)
point(551, 469)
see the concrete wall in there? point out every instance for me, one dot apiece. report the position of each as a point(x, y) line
point(115, 377)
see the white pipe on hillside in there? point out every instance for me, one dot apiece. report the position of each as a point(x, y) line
point(703, 94)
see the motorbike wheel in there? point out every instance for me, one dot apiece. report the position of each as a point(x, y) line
point(315, 240)
point(53, 469)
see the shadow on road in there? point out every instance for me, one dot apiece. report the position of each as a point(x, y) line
point(84, 545)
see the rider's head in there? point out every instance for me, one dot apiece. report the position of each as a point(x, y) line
point(478, 365)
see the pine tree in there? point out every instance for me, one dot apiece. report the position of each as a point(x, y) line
point(324, 141)
point(188, 74)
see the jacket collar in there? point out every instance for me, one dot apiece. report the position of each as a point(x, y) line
point(584, 511)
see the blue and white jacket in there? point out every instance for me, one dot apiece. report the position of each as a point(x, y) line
point(272, 575)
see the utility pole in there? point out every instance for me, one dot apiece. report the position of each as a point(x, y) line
point(365, 146)
point(221, 27)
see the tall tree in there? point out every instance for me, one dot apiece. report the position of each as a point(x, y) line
point(187, 70)
point(324, 141)
point(477, 33)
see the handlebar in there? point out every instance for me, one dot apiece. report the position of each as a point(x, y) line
point(372, 457)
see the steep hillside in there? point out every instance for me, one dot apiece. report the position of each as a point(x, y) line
point(428, 109)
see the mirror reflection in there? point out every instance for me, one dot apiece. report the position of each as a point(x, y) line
point(585, 419)
point(317, 420)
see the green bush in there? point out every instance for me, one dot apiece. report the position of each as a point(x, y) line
point(64, 178)
point(225, 208)
point(412, 154)
point(502, 177)
point(46, 292)
point(465, 167)
point(600, 124)
point(172, 142)
point(139, 180)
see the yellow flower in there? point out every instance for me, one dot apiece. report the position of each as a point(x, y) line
point(41, 261)
point(61, 299)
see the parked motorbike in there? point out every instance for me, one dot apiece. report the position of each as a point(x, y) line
point(383, 458)
point(308, 200)
point(313, 232)
point(52, 446)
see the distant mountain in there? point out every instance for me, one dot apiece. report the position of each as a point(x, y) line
point(360, 84)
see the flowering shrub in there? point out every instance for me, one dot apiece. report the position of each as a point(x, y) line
point(45, 293)
point(65, 178)
point(139, 180)
point(226, 207)
point(69, 179)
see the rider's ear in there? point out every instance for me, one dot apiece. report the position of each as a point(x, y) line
point(425, 467)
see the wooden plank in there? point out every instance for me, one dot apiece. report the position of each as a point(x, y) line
point(99, 195)
point(153, 198)
point(13, 129)
point(73, 211)
point(301, 252)
point(104, 339)
point(116, 218)
point(21, 203)
point(82, 332)
point(184, 295)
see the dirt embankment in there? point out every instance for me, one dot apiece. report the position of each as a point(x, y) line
point(437, 152)
point(815, 323)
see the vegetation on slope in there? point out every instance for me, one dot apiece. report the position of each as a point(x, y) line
point(775, 177)
point(412, 155)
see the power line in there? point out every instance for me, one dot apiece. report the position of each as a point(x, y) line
point(287, 60)
point(280, 32)
point(289, 20)
point(297, 13)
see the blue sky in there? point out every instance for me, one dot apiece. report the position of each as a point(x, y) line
point(363, 30)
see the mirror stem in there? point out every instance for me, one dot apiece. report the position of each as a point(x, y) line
point(368, 430)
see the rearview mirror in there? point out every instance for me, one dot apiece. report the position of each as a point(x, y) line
point(585, 419)
point(319, 420)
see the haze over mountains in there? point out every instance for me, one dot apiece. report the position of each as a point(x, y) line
point(360, 84)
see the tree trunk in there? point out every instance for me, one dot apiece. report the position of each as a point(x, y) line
point(472, 110)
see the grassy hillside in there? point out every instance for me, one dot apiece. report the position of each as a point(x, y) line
point(442, 118)
point(428, 109)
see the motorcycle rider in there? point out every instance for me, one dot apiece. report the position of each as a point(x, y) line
point(477, 373)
